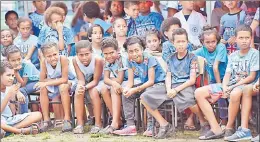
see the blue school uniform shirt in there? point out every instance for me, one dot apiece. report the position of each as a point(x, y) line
point(228, 24)
point(152, 21)
point(141, 70)
point(37, 22)
point(168, 49)
point(30, 71)
point(220, 54)
point(24, 46)
point(180, 68)
point(76, 28)
point(120, 64)
point(48, 34)
point(104, 25)
point(240, 66)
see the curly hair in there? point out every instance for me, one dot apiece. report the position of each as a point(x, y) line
point(61, 5)
point(10, 50)
point(91, 9)
point(133, 40)
point(83, 44)
point(90, 31)
point(167, 23)
point(209, 30)
point(4, 64)
point(51, 10)
point(109, 42)
point(108, 6)
point(49, 45)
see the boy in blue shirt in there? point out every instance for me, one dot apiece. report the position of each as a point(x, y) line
point(131, 9)
point(37, 16)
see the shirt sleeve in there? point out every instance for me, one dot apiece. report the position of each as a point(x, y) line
point(254, 64)
point(151, 62)
point(68, 36)
point(198, 52)
point(221, 53)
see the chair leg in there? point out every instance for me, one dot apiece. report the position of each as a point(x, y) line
point(143, 117)
point(173, 117)
point(138, 114)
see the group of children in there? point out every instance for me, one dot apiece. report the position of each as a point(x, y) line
point(117, 64)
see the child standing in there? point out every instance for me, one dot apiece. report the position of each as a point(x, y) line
point(149, 71)
point(53, 81)
point(11, 18)
point(89, 69)
point(95, 35)
point(120, 33)
point(37, 16)
point(115, 75)
point(131, 9)
point(10, 122)
point(25, 73)
point(241, 70)
point(228, 24)
point(191, 21)
point(27, 42)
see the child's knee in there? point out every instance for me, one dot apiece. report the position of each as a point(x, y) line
point(37, 115)
point(64, 88)
point(235, 96)
point(198, 93)
point(248, 90)
point(104, 89)
point(43, 90)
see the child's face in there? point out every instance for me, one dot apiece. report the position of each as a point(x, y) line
point(85, 55)
point(96, 35)
point(25, 29)
point(7, 78)
point(132, 11)
point(169, 32)
point(135, 52)
point(180, 43)
point(110, 54)
point(120, 28)
point(210, 42)
point(145, 7)
point(55, 19)
point(6, 38)
point(12, 21)
point(51, 55)
point(116, 8)
point(15, 59)
point(40, 5)
point(230, 4)
point(187, 5)
point(243, 39)
point(153, 42)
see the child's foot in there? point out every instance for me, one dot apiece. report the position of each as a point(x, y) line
point(33, 129)
point(204, 129)
point(128, 131)
point(211, 135)
point(165, 131)
point(108, 130)
point(66, 126)
point(240, 134)
point(228, 133)
point(255, 139)
point(90, 121)
point(78, 130)
point(95, 129)
point(46, 125)
point(148, 132)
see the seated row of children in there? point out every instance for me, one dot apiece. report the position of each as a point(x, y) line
point(119, 83)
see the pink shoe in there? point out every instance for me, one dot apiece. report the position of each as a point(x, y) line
point(148, 133)
point(128, 131)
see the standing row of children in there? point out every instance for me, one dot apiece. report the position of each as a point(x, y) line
point(123, 76)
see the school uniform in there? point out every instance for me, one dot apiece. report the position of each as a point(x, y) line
point(193, 25)
point(37, 22)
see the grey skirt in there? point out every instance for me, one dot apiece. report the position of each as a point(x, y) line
point(155, 95)
point(185, 98)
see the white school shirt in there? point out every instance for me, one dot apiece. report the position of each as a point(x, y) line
point(193, 25)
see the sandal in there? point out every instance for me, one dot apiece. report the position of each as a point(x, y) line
point(67, 126)
point(47, 127)
point(189, 128)
point(32, 129)
point(58, 123)
point(78, 130)
point(210, 135)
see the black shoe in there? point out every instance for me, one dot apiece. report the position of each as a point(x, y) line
point(165, 131)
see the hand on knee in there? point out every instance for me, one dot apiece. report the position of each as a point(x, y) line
point(64, 88)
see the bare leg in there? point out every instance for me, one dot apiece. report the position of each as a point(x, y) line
point(195, 109)
point(96, 101)
point(107, 98)
point(116, 106)
point(44, 101)
point(57, 109)
point(65, 99)
point(32, 118)
point(79, 108)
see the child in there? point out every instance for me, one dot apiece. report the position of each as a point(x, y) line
point(228, 24)
point(115, 77)
point(151, 75)
point(91, 12)
point(254, 26)
point(25, 73)
point(169, 25)
point(53, 81)
point(27, 42)
point(11, 21)
point(56, 31)
point(89, 69)
point(95, 35)
point(120, 32)
point(191, 21)
point(216, 62)
point(216, 15)
point(131, 9)
point(241, 70)
point(10, 122)
point(153, 42)
point(37, 16)
point(114, 10)
point(182, 68)
point(148, 20)
point(6, 41)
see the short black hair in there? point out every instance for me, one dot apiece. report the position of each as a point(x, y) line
point(109, 42)
point(10, 12)
point(10, 50)
point(90, 31)
point(180, 31)
point(207, 30)
point(91, 9)
point(133, 40)
point(243, 27)
point(4, 64)
point(108, 6)
point(83, 44)
point(167, 23)
point(48, 45)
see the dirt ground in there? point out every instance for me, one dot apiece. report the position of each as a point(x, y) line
point(57, 136)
